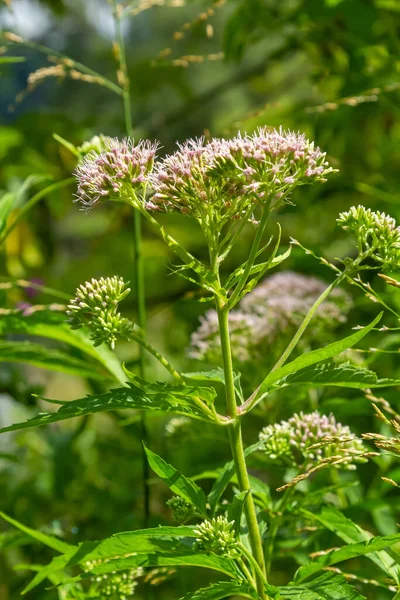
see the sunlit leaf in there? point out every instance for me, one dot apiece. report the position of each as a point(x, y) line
point(331, 374)
point(156, 397)
point(160, 546)
point(308, 359)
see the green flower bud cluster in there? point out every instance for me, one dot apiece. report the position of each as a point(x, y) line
point(118, 585)
point(96, 306)
point(180, 507)
point(306, 439)
point(217, 537)
point(98, 144)
point(376, 233)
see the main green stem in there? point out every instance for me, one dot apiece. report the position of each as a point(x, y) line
point(235, 438)
point(138, 257)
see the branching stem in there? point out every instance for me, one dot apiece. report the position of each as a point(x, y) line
point(252, 256)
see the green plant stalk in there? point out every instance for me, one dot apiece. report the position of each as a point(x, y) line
point(235, 438)
point(66, 60)
point(246, 572)
point(255, 565)
point(138, 257)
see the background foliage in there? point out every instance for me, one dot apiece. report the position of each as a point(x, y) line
point(330, 68)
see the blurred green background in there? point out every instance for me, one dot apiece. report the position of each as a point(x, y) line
point(330, 68)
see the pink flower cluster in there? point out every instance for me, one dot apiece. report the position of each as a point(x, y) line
point(115, 174)
point(236, 174)
point(215, 182)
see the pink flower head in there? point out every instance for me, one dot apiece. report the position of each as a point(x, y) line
point(115, 174)
point(225, 179)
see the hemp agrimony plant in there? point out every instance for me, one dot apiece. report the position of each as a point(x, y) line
point(226, 185)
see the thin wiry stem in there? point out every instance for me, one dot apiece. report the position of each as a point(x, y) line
point(137, 248)
point(63, 59)
point(161, 359)
point(252, 257)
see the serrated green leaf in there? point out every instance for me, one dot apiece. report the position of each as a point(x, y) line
point(155, 397)
point(178, 483)
point(214, 376)
point(350, 533)
point(331, 374)
point(223, 589)
point(52, 324)
point(307, 360)
point(48, 540)
point(329, 586)
point(160, 546)
point(350, 551)
point(47, 358)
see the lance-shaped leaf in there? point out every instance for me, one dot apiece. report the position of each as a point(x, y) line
point(48, 540)
point(6, 205)
point(214, 376)
point(350, 551)
point(329, 586)
point(349, 532)
point(178, 483)
point(152, 396)
point(160, 546)
point(50, 322)
point(223, 589)
point(331, 374)
point(258, 270)
point(47, 358)
point(225, 476)
point(236, 508)
point(11, 200)
point(306, 360)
